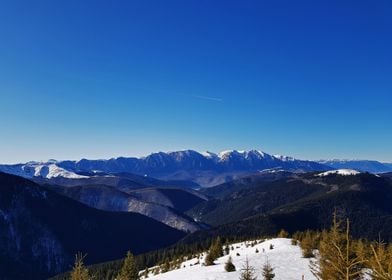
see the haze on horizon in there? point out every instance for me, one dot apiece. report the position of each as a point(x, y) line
point(98, 79)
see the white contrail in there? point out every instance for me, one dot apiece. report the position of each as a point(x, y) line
point(208, 98)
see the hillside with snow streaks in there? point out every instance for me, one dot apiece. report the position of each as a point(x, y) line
point(286, 259)
point(111, 199)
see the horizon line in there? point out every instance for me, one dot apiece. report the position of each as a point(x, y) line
point(193, 150)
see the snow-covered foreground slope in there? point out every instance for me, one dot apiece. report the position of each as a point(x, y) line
point(286, 259)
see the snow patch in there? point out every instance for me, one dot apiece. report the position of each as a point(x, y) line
point(284, 158)
point(342, 172)
point(209, 155)
point(53, 171)
point(272, 170)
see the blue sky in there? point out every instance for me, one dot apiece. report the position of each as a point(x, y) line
point(99, 79)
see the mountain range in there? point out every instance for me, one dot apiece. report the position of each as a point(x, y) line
point(204, 169)
point(188, 168)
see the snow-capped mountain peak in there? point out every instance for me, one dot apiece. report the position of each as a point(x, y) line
point(228, 153)
point(225, 155)
point(255, 153)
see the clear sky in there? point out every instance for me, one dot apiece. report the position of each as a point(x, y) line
point(100, 79)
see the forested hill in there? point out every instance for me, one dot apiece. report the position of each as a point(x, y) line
point(42, 231)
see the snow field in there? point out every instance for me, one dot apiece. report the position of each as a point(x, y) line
point(286, 259)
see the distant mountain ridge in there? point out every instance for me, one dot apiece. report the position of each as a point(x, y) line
point(371, 166)
point(206, 169)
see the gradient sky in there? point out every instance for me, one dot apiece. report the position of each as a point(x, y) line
point(100, 79)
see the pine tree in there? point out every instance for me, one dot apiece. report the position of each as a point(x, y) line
point(307, 245)
point(268, 271)
point(157, 270)
point(146, 273)
point(227, 249)
point(248, 272)
point(177, 263)
point(361, 250)
point(294, 242)
point(229, 266)
point(283, 234)
point(166, 266)
point(79, 271)
point(209, 259)
point(337, 258)
point(381, 262)
point(218, 251)
point(129, 270)
point(297, 235)
point(214, 252)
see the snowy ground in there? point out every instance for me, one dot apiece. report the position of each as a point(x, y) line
point(286, 259)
